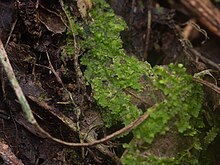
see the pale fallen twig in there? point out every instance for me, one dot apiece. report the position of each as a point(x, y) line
point(15, 85)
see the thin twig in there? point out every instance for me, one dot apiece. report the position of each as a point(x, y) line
point(53, 70)
point(147, 35)
point(136, 96)
point(60, 81)
point(205, 59)
point(79, 75)
point(67, 121)
point(91, 140)
point(208, 84)
point(11, 31)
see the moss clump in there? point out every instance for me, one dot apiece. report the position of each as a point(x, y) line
point(110, 72)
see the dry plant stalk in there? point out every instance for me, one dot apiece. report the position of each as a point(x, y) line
point(14, 82)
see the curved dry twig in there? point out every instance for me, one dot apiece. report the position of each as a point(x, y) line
point(208, 84)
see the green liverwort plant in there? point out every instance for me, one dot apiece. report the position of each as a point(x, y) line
point(111, 72)
point(109, 69)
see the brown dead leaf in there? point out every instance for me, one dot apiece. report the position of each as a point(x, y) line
point(84, 6)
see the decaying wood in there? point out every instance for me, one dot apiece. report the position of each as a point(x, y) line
point(207, 13)
point(8, 156)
